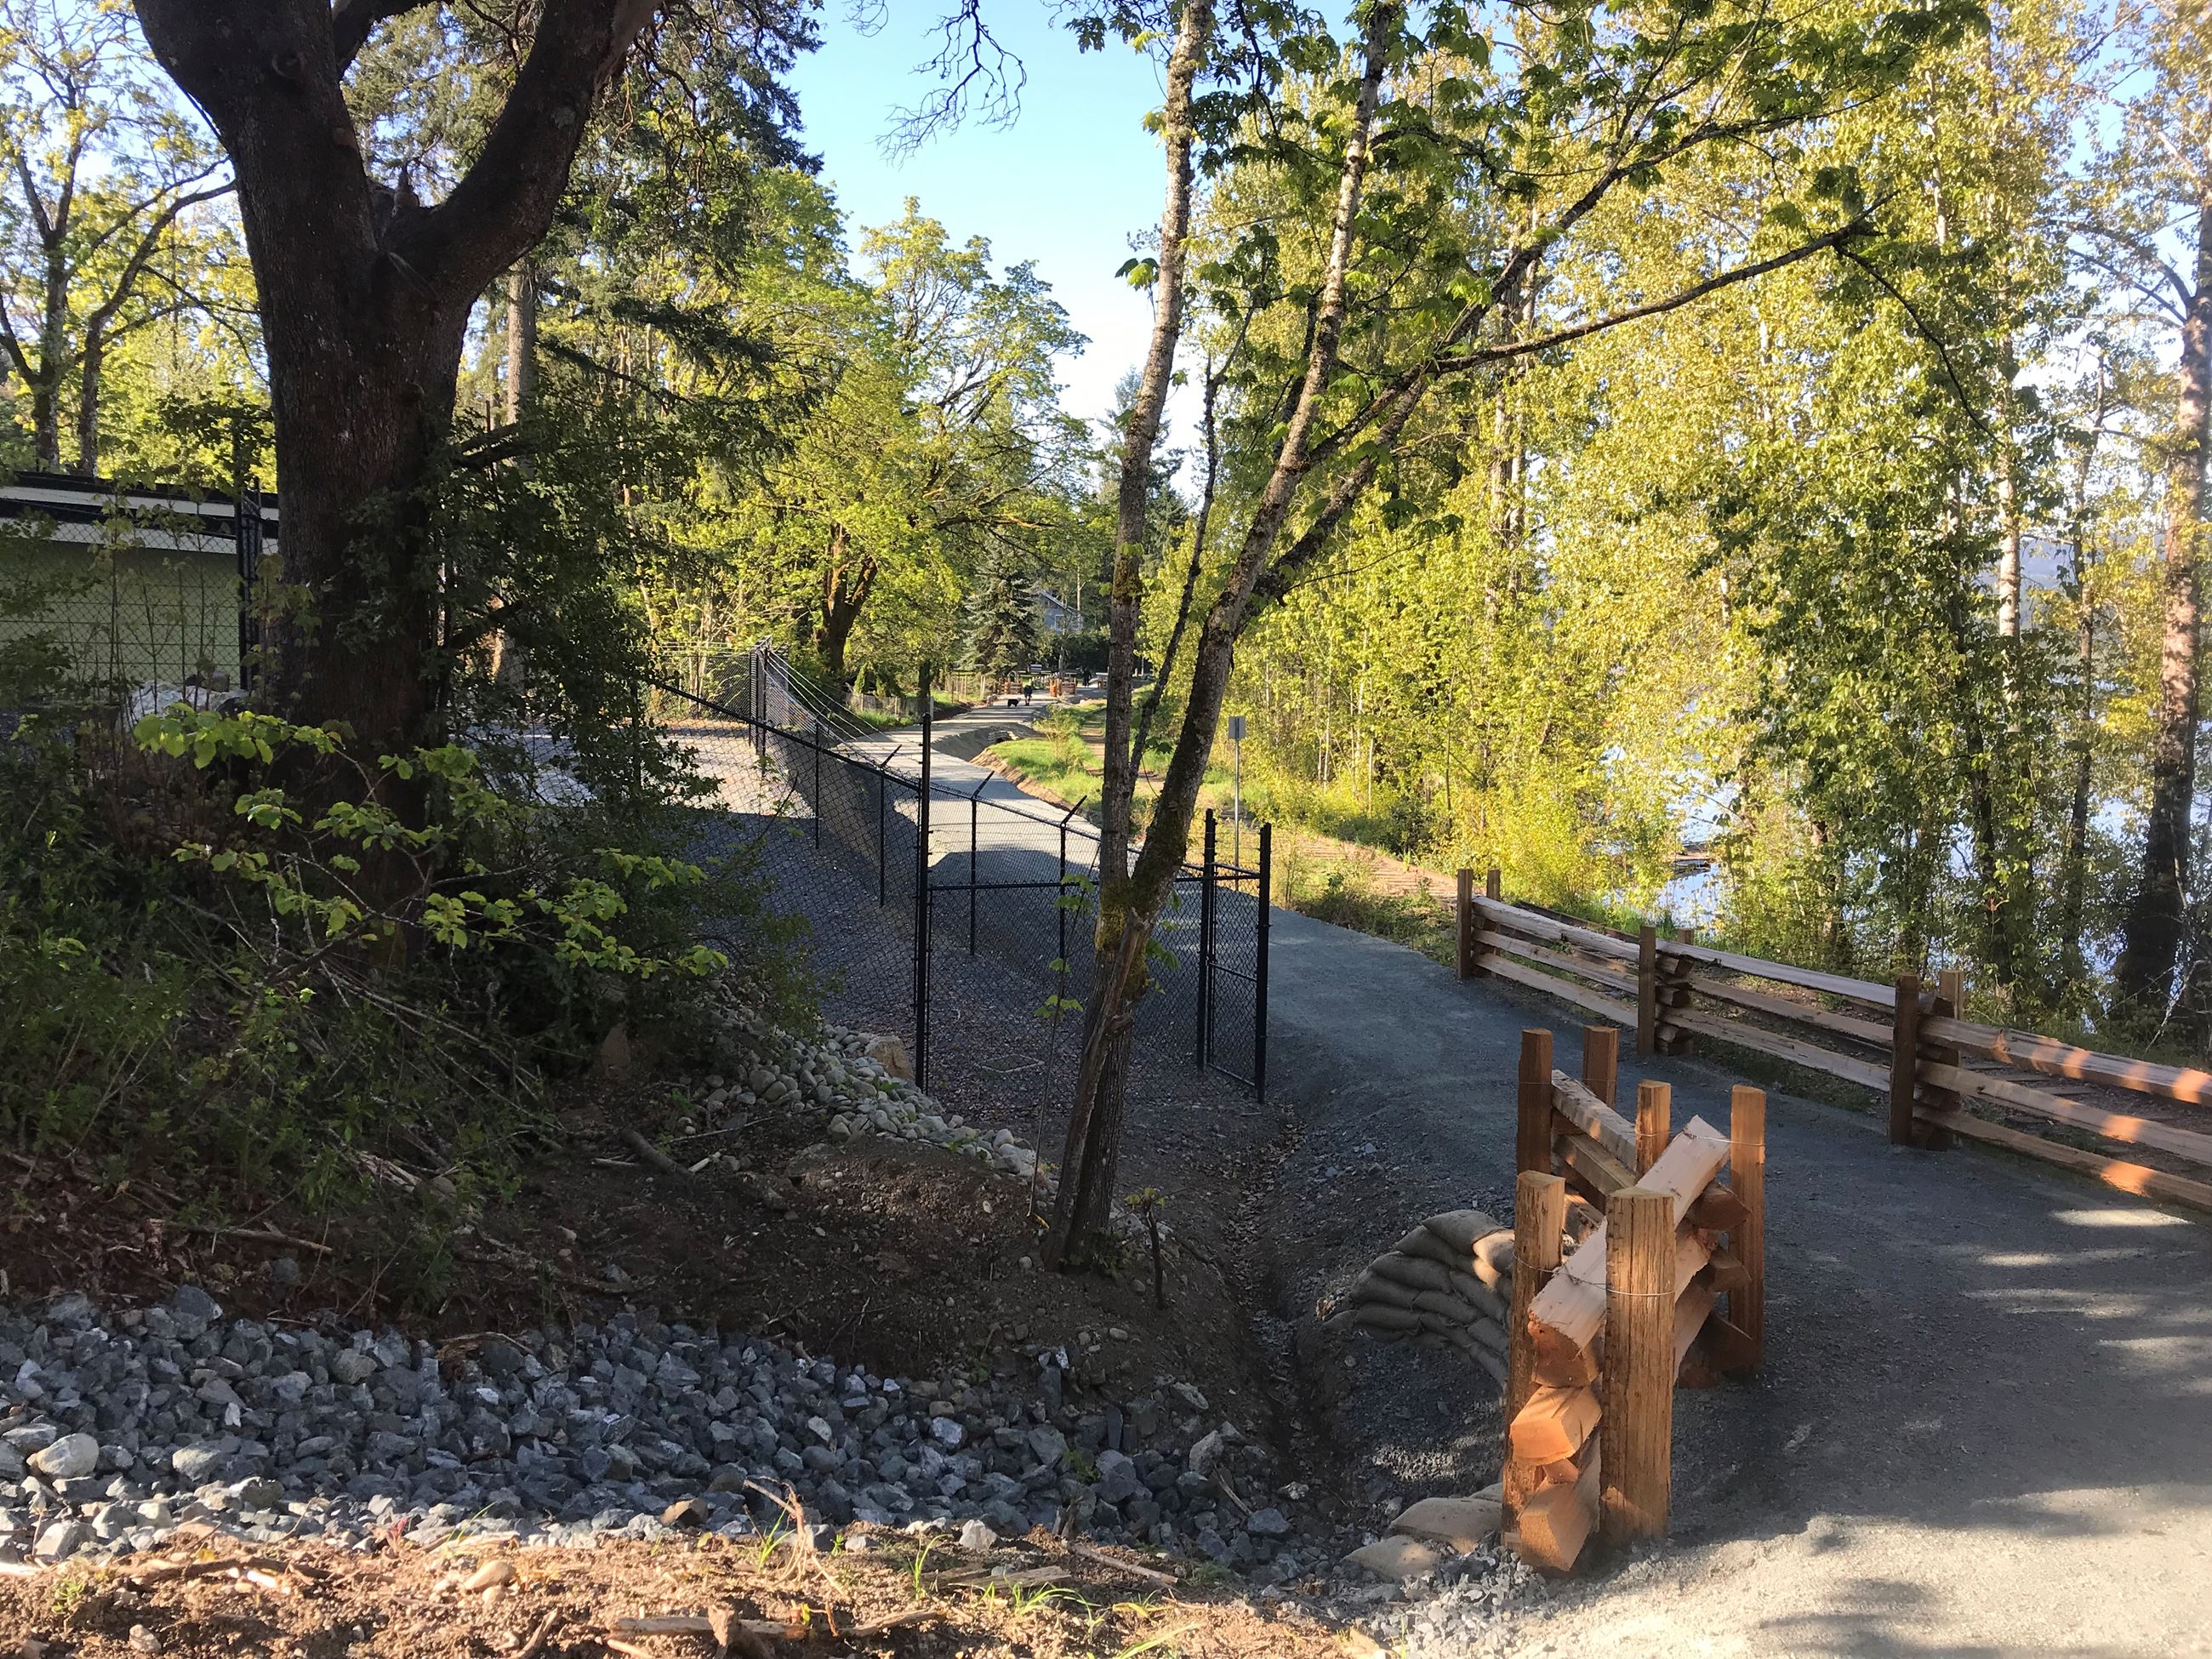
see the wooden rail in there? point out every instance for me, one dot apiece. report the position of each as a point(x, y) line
point(1904, 1040)
point(1600, 1334)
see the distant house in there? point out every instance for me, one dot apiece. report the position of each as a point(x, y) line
point(1053, 615)
point(135, 584)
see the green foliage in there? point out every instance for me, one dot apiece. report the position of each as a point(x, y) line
point(1002, 639)
point(212, 963)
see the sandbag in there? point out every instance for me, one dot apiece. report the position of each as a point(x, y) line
point(1468, 1288)
point(1493, 1256)
point(1448, 1307)
point(1371, 1286)
point(1459, 1229)
point(1427, 1247)
point(1490, 1334)
point(1417, 1271)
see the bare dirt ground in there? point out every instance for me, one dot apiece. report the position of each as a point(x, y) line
point(885, 1596)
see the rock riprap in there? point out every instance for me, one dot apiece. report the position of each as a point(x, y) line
point(857, 1083)
point(119, 1430)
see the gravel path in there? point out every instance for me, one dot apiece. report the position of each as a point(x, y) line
point(1986, 1421)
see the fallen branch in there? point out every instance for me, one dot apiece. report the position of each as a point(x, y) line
point(1114, 1561)
point(164, 1573)
point(538, 1638)
point(911, 1616)
point(696, 1624)
point(259, 1235)
point(651, 1153)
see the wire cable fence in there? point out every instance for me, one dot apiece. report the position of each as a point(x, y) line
point(900, 878)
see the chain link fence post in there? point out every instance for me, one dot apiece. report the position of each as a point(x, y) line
point(922, 902)
point(1259, 967)
point(1205, 947)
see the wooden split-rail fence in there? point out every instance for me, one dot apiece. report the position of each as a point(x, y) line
point(1666, 1282)
point(1944, 1076)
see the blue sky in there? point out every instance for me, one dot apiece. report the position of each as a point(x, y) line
point(1066, 186)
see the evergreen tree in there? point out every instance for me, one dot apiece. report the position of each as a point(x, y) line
point(1004, 640)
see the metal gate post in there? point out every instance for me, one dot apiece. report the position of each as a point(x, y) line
point(883, 846)
point(921, 915)
point(1260, 969)
point(1205, 946)
point(817, 780)
point(973, 800)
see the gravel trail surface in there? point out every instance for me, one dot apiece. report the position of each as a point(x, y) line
point(1984, 1424)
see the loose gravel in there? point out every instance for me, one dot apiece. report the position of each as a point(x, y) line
point(122, 1429)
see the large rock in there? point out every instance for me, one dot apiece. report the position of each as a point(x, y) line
point(1118, 1480)
point(890, 1053)
point(69, 1458)
point(196, 1465)
point(1460, 1523)
point(1270, 1522)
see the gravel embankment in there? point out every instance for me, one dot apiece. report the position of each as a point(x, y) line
point(126, 1428)
point(121, 1428)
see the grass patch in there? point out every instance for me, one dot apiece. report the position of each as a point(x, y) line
point(1346, 896)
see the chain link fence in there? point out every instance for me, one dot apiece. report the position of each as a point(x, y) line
point(900, 878)
point(129, 587)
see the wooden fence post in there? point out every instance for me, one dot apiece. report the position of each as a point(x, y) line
point(1532, 1141)
point(1655, 1111)
point(1950, 1003)
point(1747, 1307)
point(1672, 992)
point(1647, 990)
point(1493, 886)
point(1601, 1060)
point(1635, 1435)
point(1467, 970)
point(1539, 1223)
point(1905, 1061)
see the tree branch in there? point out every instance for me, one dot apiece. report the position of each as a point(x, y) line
point(352, 21)
point(506, 199)
point(1927, 334)
point(1835, 239)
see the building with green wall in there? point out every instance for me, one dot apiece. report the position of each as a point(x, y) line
point(128, 586)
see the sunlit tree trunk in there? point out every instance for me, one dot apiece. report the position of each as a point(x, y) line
point(2151, 943)
point(1130, 906)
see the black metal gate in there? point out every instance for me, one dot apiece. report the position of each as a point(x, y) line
point(892, 869)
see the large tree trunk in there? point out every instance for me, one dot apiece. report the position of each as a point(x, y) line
point(1130, 909)
point(365, 297)
point(87, 405)
point(522, 337)
point(2152, 933)
point(846, 584)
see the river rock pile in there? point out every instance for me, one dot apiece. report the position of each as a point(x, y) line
point(1448, 1283)
point(860, 1082)
point(117, 1432)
